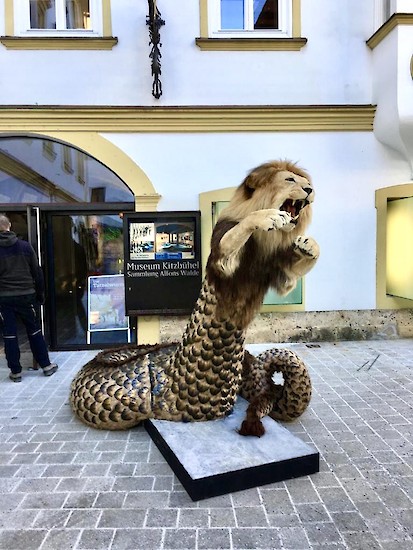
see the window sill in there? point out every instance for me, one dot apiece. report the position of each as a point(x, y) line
point(250, 44)
point(58, 43)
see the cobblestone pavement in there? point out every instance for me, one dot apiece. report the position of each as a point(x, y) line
point(63, 485)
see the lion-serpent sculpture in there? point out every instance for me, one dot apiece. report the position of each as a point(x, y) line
point(257, 243)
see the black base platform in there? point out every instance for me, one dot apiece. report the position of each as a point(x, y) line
point(211, 458)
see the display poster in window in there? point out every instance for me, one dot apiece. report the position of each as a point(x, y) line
point(162, 262)
point(106, 303)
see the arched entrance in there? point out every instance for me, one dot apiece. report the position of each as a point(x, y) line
point(69, 205)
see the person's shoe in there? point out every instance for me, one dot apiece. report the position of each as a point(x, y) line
point(15, 376)
point(50, 369)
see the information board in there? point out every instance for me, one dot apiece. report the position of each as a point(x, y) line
point(106, 303)
point(162, 262)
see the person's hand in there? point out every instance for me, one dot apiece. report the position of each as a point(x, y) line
point(41, 298)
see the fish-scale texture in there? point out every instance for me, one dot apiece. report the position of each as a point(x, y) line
point(197, 379)
point(205, 370)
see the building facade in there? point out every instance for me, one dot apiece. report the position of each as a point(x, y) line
point(89, 129)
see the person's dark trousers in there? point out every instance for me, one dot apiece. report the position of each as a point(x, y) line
point(25, 308)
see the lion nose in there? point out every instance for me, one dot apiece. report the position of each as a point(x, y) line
point(308, 190)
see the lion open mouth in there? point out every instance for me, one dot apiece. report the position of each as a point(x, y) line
point(294, 208)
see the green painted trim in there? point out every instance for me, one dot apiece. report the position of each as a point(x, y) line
point(311, 118)
point(395, 20)
point(250, 44)
point(58, 42)
point(205, 206)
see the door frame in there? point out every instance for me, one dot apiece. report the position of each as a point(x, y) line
point(43, 242)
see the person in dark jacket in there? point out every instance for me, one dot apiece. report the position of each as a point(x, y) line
point(21, 289)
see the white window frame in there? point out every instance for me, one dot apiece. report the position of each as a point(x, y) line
point(284, 21)
point(22, 21)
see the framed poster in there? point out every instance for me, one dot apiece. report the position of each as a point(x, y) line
point(106, 303)
point(162, 262)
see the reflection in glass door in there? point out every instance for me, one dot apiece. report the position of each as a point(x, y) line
point(82, 246)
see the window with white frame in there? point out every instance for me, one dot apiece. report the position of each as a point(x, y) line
point(242, 18)
point(58, 17)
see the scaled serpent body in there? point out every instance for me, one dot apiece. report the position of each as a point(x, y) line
point(199, 378)
point(196, 379)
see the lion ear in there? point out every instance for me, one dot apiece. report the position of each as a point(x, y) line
point(259, 177)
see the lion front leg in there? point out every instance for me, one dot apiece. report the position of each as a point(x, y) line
point(306, 251)
point(232, 243)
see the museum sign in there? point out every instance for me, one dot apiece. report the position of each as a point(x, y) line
point(162, 262)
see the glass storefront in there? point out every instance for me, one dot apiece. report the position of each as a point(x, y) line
point(75, 204)
point(93, 247)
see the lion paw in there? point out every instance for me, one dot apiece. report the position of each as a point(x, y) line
point(307, 247)
point(270, 219)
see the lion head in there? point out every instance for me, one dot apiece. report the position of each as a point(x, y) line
point(278, 184)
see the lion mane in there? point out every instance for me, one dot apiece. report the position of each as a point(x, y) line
point(251, 250)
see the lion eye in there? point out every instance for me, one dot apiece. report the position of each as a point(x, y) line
point(289, 179)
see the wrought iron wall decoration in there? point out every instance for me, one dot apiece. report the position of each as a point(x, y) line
point(155, 22)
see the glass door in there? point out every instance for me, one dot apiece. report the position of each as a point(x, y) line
point(85, 282)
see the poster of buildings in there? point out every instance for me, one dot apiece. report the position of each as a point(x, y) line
point(161, 240)
point(106, 303)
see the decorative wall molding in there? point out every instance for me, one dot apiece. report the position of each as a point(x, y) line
point(299, 118)
point(381, 33)
point(58, 42)
point(251, 44)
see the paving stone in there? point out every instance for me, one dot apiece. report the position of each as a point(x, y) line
point(50, 519)
point(302, 491)
point(140, 483)
point(322, 533)
point(221, 517)
point(190, 517)
point(256, 538)
point(294, 538)
point(70, 484)
point(164, 518)
point(61, 538)
point(83, 519)
point(283, 520)
point(100, 484)
point(249, 497)
point(146, 499)
point(64, 485)
point(214, 538)
point(28, 539)
point(163, 483)
point(180, 538)
point(251, 517)
point(364, 541)
point(277, 501)
point(349, 521)
point(40, 501)
point(119, 519)
point(313, 512)
point(95, 539)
